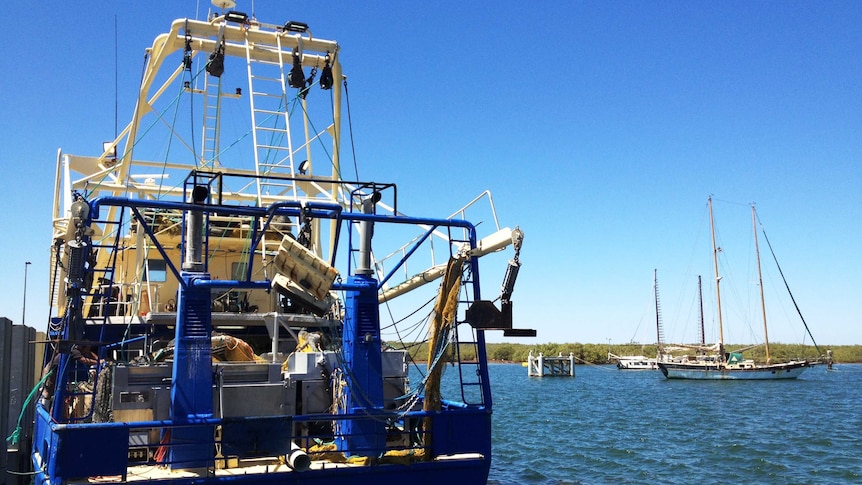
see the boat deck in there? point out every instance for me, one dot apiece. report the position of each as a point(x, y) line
point(257, 466)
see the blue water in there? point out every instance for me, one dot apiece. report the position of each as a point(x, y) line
point(611, 426)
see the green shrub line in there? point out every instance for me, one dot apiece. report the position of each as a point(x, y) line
point(598, 353)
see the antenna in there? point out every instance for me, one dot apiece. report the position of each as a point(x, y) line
point(116, 82)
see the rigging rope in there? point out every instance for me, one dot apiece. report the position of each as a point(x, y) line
point(13, 438)
point(788, 289)
point(350, 127)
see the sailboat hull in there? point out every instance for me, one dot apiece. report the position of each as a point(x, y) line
point(636, 362)
point(713, 371)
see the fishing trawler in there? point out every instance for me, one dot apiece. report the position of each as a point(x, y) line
point(217, 305)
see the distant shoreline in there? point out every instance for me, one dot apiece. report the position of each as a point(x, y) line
point(597, 354)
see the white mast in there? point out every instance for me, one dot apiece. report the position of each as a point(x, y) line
point(760, 282)
point(715, 251)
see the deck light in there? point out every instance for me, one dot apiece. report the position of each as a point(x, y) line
point(296, 78)
point(110, 150)
point(236, 17)
point(303, 167)
point(294, 26)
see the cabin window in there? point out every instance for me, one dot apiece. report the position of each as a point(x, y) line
point(157, 271)
point(237, 270)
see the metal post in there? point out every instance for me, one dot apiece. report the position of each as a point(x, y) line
point(192, 384)
point(24, 309)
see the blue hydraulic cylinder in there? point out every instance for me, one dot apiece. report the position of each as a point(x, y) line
point(192, 384)
point(363, 363)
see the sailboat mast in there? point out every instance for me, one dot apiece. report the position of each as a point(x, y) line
point(700, 302)
point(715, 250)
point(658, 329)
point(760, 283)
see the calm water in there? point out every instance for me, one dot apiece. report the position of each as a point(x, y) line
point(610, 426)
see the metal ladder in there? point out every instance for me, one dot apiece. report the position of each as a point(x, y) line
point(212, 122)
point(468, 370)
point(273, 146)
point(97, 304)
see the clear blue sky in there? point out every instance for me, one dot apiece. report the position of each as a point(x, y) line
point(600, 128)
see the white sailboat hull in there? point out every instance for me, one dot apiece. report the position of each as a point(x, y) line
point(714, 371)
point(636, 362)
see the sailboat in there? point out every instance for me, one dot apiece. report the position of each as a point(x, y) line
point(722, 365)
